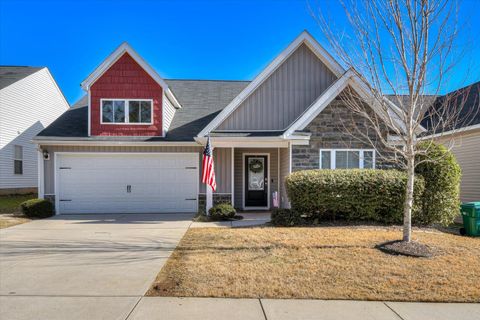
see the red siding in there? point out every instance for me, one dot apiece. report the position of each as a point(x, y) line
point(126, 79)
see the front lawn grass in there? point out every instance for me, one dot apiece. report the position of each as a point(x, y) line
point(319, 263)
point(10, 213)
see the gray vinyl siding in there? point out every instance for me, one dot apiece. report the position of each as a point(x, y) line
point(239, 172)
point(466, 148)
point(284, 172)
point(222, 162)
point(281, 99)
point(223, 170)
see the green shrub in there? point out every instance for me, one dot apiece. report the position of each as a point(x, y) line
point(353, 194)
point(285, 218)
point(222, 211)
point(442, 175)
point(37, 208)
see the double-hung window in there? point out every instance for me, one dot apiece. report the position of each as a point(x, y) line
point(347, 159)
point(17, 159)
point(126, 111)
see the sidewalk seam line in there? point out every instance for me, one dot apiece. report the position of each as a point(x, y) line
point(131, 311)
point(386, 304)
point(263, 310)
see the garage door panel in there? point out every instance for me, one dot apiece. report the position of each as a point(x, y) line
point(97, 183)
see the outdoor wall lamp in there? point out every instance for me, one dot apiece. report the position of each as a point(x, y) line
point(46, 155)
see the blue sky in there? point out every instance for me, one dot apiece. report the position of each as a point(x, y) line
point(180, 39)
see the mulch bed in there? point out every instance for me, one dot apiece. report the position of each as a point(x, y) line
point(411, 249)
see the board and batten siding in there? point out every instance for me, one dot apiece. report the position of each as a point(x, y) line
point(284, 96)
point(222, 162)
point(26, 107)
point(466, 148)
point(168, 113)
point(239, 172)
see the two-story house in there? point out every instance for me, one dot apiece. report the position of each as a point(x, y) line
point(134, 143)
point(30, 100)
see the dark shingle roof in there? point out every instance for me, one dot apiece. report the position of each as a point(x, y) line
point(463, 105)
point(11, 74)
point(201, 101)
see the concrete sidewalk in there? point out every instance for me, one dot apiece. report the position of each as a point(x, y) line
point(156, 308)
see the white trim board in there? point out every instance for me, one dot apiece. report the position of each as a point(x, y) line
point(244, 154)
point(117, 54)
point(451, 132)
point(303, 38)
point(67, 142)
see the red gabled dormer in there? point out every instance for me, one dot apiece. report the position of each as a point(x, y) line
point(126, 97)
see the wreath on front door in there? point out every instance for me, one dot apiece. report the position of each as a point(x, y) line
point(255, 166)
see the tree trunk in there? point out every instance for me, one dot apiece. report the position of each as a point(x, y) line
point(407, 208)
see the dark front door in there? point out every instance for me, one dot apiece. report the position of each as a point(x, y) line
point(256, 181)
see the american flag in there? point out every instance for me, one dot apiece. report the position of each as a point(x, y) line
point(208, 175)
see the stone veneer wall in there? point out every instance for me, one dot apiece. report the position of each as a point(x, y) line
point(330, 131)
point(217, 199)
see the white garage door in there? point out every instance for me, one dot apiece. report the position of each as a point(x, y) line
point(127, 183)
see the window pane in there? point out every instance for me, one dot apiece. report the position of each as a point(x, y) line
point(18, 166)
point(325, 163)
point(353, 159)
point(18, 152)
point(134, 111)
point(368, 159)
point(146, 112)
point(119, 110)
point(341, 159)
point(107, 111)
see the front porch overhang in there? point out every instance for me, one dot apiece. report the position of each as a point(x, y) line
point(255, 142)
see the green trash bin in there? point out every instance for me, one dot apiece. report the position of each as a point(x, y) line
point(471, 219)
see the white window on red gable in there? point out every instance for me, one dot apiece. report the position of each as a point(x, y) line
point(126, 111)
point(347, 159)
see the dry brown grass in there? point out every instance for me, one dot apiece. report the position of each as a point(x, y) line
point(8, 220)
point(320, 263)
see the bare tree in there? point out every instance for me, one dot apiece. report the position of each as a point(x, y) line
point(405, 48)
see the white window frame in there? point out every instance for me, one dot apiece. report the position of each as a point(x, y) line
point(16, 159)
point(127, 112)
point(333, 157)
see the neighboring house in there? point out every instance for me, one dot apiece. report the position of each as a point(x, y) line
point(463, 137)
point(30, 100)
point(134, 143)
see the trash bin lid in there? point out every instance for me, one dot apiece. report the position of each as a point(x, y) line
point(475, 205)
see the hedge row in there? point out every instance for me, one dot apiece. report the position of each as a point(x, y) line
point(358, 194)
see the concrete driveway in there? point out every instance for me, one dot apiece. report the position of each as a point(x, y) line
point(109, 261)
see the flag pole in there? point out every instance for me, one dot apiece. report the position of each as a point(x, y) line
point(209, 203)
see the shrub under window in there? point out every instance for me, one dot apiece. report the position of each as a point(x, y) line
point(353, 194)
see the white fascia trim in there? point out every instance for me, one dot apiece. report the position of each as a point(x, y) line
point(113, 143)
point(359, 85)
point(304, 37)
point(67, 105)
point(172, 98)
point(450, 132)
point(114, 56)
point(319, 105)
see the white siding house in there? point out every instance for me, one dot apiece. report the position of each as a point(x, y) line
point(30, 100)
